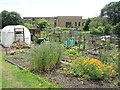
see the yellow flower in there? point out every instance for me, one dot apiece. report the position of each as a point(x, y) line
point(113, 70)
point(71, 72)
point(102, 72)
point(64, 68)
point(70, 64)
point(98, 66)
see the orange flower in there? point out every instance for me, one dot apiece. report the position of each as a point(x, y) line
point(102, 65)
point(96, 69)
point(79, 58)
point(77, 64)
point(110, 67)
point(64, 68)
point(110, 74)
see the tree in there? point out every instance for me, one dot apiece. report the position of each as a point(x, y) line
point(43, 24)
point(112, 12)
point(10, 18)
point(0, 21)
point(86, 27)
point(99, 25)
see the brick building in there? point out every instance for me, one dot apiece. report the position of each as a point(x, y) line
point(59, 21)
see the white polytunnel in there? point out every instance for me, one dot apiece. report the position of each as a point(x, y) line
point(15, 32)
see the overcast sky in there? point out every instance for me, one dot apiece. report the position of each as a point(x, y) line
point(51, 8)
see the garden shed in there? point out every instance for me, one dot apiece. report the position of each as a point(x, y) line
point(11, 33)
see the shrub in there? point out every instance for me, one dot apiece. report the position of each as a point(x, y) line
point(46, 56)
point(116, 29)
point(95, 31)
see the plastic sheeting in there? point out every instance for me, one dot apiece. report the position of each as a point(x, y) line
point(69, 42)
point(8, 35)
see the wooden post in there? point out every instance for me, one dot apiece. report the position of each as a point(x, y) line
point(23, 35)
point(6, 51)
point(84, 42)
point(79, 41)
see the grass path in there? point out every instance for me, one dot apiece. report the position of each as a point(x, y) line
point(0, 70)
point(13, 77)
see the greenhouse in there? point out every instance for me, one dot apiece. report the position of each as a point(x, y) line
point(11, 33)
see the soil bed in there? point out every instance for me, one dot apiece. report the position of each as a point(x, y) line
point(65, 81)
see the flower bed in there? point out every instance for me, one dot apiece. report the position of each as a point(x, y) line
point(89, 68)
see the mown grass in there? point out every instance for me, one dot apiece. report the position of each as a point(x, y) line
point(13, 77)
point(0, 70)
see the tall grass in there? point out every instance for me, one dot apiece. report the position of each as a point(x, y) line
point(46, 56)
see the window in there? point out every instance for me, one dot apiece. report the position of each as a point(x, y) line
point(79, 24)
point(33, 19)
point(75, 23)
point(68, 24)
point(25, 19)
point(19, 33)
point(30, 19)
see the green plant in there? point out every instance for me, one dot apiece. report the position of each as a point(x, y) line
point(28, 25)
point(46, 56)
point(89, 68)
point(36, 37)
point(71, 52)
point(109, 57)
